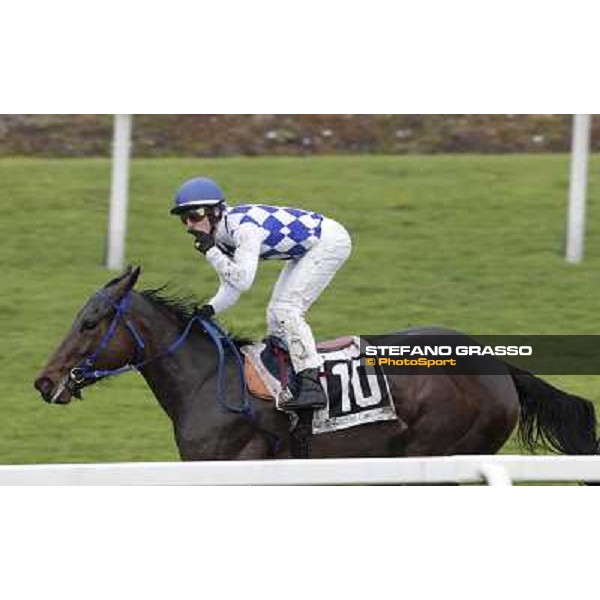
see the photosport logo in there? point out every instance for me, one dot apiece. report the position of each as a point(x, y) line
point(454, 353)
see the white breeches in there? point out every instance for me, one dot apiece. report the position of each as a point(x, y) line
point(299, 285)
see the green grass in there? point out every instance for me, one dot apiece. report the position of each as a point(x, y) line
point(473, 243)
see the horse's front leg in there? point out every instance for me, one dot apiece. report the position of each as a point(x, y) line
point(191, 449)
point(257, 448)
point(237, 442)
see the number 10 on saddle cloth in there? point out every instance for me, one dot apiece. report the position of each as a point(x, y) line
point(356, 393)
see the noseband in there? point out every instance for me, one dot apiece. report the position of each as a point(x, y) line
point(86, 373)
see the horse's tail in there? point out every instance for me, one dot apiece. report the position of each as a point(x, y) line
point(553, 418)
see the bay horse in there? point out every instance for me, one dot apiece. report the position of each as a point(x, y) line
point(120, 328)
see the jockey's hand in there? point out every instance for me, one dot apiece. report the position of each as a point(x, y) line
point(203, 242)
point(205, 312)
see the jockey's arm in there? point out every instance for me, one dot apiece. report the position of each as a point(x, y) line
point(236, 274)
point(225, 297)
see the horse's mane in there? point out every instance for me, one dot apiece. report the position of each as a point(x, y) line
point(181, 307)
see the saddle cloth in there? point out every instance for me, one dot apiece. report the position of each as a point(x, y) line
point(356, 394)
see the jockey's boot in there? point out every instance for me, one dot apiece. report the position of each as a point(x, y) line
point(306, 392)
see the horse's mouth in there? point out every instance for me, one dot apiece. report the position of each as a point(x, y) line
point(68, 387)
point(62, 394)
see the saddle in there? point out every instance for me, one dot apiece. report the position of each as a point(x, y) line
point(268, 367)
point(363, 397)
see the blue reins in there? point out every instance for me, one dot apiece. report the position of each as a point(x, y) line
point(85, 370)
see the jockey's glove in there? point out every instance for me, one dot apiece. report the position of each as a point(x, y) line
point(204, 312)
point(203, 242)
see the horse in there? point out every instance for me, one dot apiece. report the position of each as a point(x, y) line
point(188, 369)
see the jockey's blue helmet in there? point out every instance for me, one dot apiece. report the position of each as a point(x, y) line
point(196, 192)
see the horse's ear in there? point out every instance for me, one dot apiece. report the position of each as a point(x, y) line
point(126, 282)
point(134, 273)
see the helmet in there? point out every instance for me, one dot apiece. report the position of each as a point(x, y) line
point(195, 192)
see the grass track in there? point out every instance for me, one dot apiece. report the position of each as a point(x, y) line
point(470, 242)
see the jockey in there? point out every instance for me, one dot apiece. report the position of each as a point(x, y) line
point(234, 238)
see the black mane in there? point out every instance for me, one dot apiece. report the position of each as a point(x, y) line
point(182, 307)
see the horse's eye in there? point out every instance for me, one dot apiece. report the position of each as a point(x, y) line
point(88, 324)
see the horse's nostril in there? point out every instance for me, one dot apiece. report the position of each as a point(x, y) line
point(44, 386)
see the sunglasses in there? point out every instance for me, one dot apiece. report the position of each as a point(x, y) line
point(194, 215)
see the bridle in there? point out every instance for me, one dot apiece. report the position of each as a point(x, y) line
point(86, 373)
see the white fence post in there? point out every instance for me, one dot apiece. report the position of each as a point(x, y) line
point(117, 227)
point(578, 187)
point(495, 475)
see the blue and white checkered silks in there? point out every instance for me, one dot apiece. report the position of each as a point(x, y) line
point(288, 232)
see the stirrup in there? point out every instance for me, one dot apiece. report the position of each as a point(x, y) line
point(287, 402)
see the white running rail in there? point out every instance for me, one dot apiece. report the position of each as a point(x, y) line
point(493, 470)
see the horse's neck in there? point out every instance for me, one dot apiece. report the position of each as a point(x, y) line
point(174, 379)
point(185, 385)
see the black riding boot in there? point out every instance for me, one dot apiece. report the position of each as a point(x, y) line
point(304, 392)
